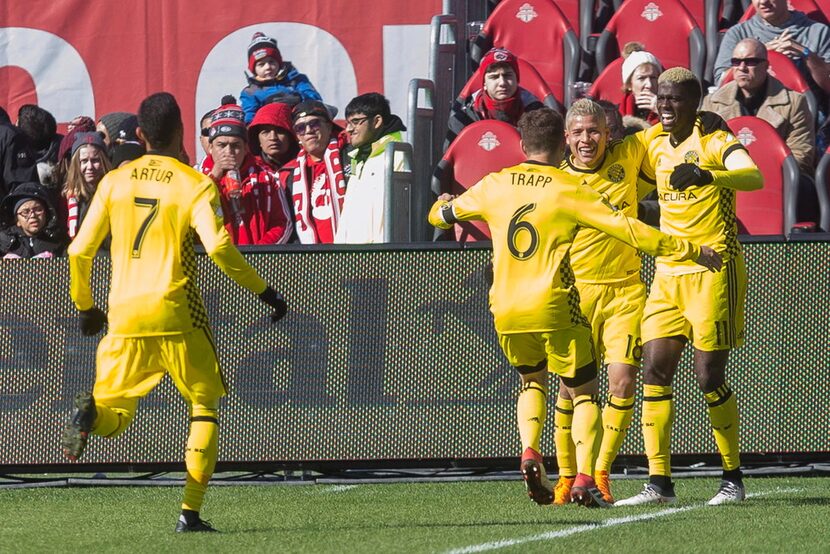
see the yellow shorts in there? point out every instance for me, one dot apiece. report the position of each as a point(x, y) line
point(130, 367)
point(565, 350)
point(614, 312)
point(705, 307)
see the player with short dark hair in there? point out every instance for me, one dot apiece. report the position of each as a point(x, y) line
point(157, 321)
point(533, 210)
point(698, 167)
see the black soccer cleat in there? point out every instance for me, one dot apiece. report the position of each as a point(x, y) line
point(76, 432)
point(200, 526)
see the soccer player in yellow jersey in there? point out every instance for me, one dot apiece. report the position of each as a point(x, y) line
point(611, 292)
point(533, 210)
point(151, 207)
point(697, 168)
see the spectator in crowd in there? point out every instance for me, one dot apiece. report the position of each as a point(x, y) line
point(755, 92)
point(270, 136)
point(272, 79)
point(108, 126)
point(127, 146)
point(41, 130)
point(17, 163)
point(792, 33)
point(318, 184)
point(370, 126)
point(81, 124)
point(81, 121)
point(639, 76)
point(204, 136)
point(89, 162)
point(253, 205)
point(500, 96)
point(613, 119)
point(31, 229)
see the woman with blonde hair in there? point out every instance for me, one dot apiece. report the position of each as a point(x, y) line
point(639, 76)
point(88, 164)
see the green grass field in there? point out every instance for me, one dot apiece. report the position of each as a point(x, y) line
point(781, 515)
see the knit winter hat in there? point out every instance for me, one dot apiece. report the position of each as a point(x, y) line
point(87, 138)
point(83, 124)
point(499, 55)
point(126, 144)
point(228, 120)
point(112, 121)
point(261, 46)
point(635, 60)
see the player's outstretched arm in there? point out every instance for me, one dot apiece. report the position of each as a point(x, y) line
point(740, 172)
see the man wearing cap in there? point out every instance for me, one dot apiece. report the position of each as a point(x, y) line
point(370, 127)
point(500, 96)
point(318, 182)
point(272, 78)
point(255, 210)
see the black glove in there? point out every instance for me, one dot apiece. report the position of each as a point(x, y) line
point(92, 321)
point(688, 174)
point(276, 301)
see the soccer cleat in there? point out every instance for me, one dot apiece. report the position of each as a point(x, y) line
point(539, 487)
point(562, 491)
point(585, 493)
point(651, 494)
point(729, 493)
point(76, 432)
point(604, 485)
point(200, 526)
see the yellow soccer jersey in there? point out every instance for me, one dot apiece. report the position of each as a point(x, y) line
point(595, 256)
point(533, 211)
point(704, 214)
point(151, 207)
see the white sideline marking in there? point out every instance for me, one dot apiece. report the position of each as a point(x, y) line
point(339, 488)
point(613, 522)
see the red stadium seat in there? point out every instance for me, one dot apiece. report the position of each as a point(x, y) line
point(810, 8)
point(782, 68)
point(530, 80)
point(823, 190)
point(608, 85)
point(537, 32)
point(771, 210)
point(479, 149)
point(665, 27)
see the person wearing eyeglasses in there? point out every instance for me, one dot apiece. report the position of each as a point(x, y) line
point(317, 182)
point(32, 230)
point(753, 91)
point(370, 126)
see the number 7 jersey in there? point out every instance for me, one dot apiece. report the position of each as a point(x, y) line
point(534, 211)
point(151, 207)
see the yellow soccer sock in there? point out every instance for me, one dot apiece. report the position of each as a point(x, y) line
point(200, 456)
point(565, 452)
point(111, 421)
point(723, 413)
point(658, 417)
point(587, 432)
point(531, 411)
point(616, 419)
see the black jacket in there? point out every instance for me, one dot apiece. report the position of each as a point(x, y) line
point(51, 239)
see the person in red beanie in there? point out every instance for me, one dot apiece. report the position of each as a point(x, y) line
point(270, 136)
point(272, 78)
point(254, 208)
point(500, 96)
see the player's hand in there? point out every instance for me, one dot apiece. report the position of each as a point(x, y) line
point(446, 197)
point(276, 301)
point(709, 259)
point(687, 175)
point(92, 321)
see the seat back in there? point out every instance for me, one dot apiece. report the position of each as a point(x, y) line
point(652, 22)
point(529, 79)
point(771, 210)
point(810, 8)
point(479, 149)
point(537, 32)
point(608, 84)
point(823, 191)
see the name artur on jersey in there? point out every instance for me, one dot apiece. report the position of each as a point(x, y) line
point(151, 174)
point(530, 180)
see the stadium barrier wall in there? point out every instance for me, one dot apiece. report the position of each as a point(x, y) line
point(387, 357)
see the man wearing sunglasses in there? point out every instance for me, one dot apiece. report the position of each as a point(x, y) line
point(370, 126)
point(753, 91)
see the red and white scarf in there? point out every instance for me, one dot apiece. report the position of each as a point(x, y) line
point(508, 110)
point(73, 210)
point(334, 188)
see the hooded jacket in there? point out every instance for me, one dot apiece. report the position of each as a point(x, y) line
point(289, 83)
point(49, 242)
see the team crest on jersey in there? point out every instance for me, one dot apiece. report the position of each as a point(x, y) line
point(616, 173)
point(691, 157)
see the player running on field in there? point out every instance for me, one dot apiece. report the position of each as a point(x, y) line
point(611, 293)
point(697, 170)
point(157, 323)
point(533, 210)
